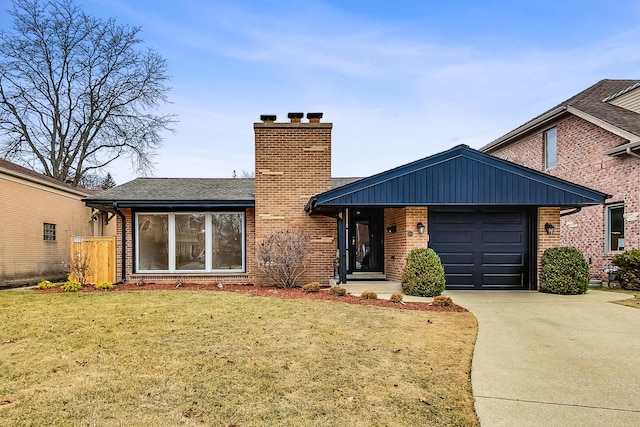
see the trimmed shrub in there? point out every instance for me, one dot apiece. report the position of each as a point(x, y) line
point(423, 274)
point(71, 286)
point(337, 291)
point(564, 271)
point(311, 287)
point(368, 295)
point(396, 297)
point(105, 286)
point(442, 301)
point(628, 273)
point(45, 284)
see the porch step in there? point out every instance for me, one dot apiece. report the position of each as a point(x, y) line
point(378, 286)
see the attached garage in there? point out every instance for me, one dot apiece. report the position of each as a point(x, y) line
point(484, 216)
point(483, 248)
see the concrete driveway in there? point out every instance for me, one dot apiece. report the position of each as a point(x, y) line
point(552, 360)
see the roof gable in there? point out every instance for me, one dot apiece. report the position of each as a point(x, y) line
point(459, 176)
point(596, 104)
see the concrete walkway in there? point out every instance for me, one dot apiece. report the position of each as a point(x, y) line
point(551, 360)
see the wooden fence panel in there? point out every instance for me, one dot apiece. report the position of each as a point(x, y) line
point(100, 252)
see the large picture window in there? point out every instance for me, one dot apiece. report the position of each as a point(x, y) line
point(615, 227)
point(190, 242)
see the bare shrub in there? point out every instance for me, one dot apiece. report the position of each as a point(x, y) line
point(368, 295)
point(311, 287)
point(337, 291)
point(396, 297)
point(281, 254)
point(442, 301)
point(79, 268)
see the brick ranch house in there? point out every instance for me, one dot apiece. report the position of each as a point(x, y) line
point(489, 219)
point(592, 139)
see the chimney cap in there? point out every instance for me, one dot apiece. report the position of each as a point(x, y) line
point(268, 117)
point(314, 115)
point(295, 115)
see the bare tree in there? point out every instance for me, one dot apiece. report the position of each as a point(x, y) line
point(243, 174)
point(77, 92)
point(281, 255)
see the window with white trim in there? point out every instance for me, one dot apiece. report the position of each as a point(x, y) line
point(615, 227)
point(550, 148)
point(192, 242)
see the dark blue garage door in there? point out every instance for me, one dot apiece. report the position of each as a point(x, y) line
point(482, 248)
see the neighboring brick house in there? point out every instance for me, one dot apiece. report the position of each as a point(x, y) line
point(486, 217)
point(38, 217)
point(592, 139)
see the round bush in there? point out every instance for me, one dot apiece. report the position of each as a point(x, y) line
point(423, 274)
point(564, 271)
point(628, 273)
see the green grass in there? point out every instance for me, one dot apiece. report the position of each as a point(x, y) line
point(634, 297)
point(217, 358)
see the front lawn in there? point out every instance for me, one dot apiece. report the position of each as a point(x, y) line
point(218, 358)
point(634, 297)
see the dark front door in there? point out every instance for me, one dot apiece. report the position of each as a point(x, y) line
point(482, 248)
point(366, 244)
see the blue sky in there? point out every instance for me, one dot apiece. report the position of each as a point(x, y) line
point(399, 80)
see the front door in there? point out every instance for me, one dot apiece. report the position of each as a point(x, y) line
point(366, 241)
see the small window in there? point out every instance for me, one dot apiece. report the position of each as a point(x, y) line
point(49, 232)
point(550, 148)
point(615, 228)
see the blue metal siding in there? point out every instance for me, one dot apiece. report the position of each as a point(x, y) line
point(460, 176)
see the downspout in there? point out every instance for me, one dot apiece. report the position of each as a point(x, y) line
point(631, 153)
point(124, 244)
point(571, 212)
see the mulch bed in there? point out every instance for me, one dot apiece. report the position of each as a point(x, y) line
point(269, 291)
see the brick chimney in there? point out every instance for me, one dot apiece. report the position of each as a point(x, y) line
point(293, 163)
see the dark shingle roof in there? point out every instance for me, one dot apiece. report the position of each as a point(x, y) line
point(176, 191)
point(180, 189)
point(590, 101)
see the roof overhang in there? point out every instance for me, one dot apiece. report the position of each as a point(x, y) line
point(110, 205)
point(545, 119)
point(555, 114)
point(47, 183)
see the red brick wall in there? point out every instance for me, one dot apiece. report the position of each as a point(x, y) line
point(580, 145)
point(398, 245)
point(293, 163)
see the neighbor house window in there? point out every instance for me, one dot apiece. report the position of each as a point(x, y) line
point(190, 242)
point(49, 232)
point(615, 227)
point(550, 148)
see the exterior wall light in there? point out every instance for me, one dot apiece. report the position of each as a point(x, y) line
point(549, 228)
point(420, 227)
point(392, 229)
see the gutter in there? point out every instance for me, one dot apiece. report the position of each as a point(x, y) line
point(527, 127)
point(571, 212)
point(631, 153)
point(123, 279)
